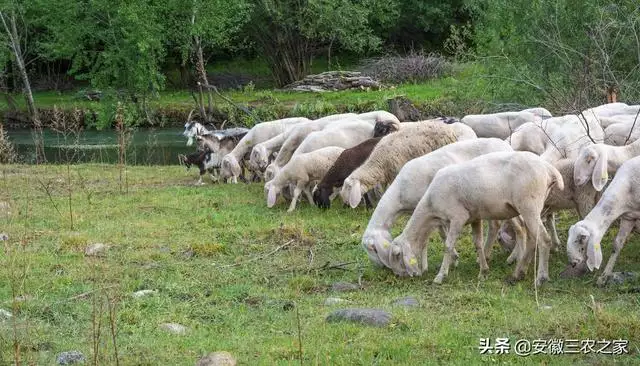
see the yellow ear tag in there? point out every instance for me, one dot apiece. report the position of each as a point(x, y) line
point(386, 244)
point(596, 246)
point(413, 261)
point(605, 176)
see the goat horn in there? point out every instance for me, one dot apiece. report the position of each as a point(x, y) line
point(189, 117)
point(223, 123)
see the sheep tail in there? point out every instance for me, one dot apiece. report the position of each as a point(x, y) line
point(556, 177)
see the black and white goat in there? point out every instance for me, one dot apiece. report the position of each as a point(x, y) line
point(205, 161)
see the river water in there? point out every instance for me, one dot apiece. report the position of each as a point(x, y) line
point(145, 146)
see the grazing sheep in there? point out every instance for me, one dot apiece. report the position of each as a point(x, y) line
point(572, 197)
point(596, 162)
point(204, 160)
point(261, 132)
point(558, 137)
point(392, 152)
point(346, 163)
point(496, 186)
point(261, 152)
point(620, 134)
point(499, 125)
point(303, 170)
point(409, 186)
point(620, 200)
point(346, 134)
point(611, 109)
point(301, 132)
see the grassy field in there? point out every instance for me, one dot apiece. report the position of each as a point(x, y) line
point(238, 275)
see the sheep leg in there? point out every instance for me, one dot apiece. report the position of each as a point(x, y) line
point(443, 237)
point(626, 226)
point(550, 225)
point(199, 181)
point(294, 199)
point(478, 240)
point(492, 233)
point(540, 239)
point(367, 200)
point(234, 179)
point(520, 240)
point(307, 192)
point(455, 228)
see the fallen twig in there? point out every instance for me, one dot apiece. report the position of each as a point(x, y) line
point(258, 257)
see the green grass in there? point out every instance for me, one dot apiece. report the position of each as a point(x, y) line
point(210, 253)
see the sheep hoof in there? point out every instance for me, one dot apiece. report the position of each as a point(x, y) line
point(438, 280)
point(483, 275)
point(512, 280)
point(541, 280)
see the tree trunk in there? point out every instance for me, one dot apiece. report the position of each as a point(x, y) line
point(201, 72)
point(14, 43)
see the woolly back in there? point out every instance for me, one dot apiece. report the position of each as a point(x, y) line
point(394, 150)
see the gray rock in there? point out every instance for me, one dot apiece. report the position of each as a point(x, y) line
point(4, 314)
point(220, 358)
point(4, 236)
point(408, 302)
point(96, 250)
point(619, 278)
point(174, 328)
point(70, 358)
point(374, 317)
point(143, 293)
point(344, 287)
point(335, 301)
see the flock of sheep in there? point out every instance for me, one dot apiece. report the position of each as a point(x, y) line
point(511, 169)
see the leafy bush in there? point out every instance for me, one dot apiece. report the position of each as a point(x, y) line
point(414, 67)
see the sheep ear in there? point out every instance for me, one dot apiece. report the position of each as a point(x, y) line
point(355, 194)
point(600, 176)
point(271, 196)
point(594, 255)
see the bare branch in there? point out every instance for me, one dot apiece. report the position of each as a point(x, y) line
point(632, 127)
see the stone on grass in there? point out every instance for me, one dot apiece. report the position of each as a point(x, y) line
point(374, 317)
point(70, 358)
point(220, 358)
point(408, 302)
point(143, 293)
point(96, 250)
point(335, 301)
point(4, 314)
point(619, 278)
point(344, 287)
point(174, 328)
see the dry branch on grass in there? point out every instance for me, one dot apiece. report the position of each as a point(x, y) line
point(334, 81)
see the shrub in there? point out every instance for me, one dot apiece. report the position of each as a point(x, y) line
point(414, 67)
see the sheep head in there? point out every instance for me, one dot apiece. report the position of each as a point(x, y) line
point(259, 157)
point(591, 163)
point(230, 167)
point(272, 193)
point(377, 244)
point(403, 261)
point(351, 192)
point(583, 245)
point(270, 172)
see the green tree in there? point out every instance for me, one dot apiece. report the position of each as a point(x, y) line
point(566, 52)
point(288, 33)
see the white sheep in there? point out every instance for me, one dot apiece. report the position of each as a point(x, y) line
point(496, 186)
point(618, 118)
point(409, 186)
point(558, 137)
point(611, 109)
point(620, 200)
point(303, 171)
point(572, 197)
point(301, 132)
point(499, 125)
point(620, 134)
point(346, 134)
point(392, 152)
point(596, 162)
point(463, 131)
point(261, 152)
point(261, 132)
